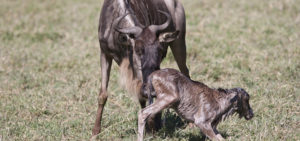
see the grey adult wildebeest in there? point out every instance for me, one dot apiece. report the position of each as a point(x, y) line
point(136, 35)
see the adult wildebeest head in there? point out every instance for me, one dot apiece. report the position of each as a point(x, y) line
point(146, 45)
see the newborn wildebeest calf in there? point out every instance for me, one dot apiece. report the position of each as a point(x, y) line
point(194, 101)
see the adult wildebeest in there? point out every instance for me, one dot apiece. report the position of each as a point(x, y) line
point(136, 34)
point(194, 101)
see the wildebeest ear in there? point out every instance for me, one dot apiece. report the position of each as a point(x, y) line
point(168, 36)
point(233, 96)
point(222, 90)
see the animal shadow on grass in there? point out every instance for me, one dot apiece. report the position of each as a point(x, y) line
point(172, 122)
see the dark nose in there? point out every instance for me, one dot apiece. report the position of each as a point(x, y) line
point(249, 115)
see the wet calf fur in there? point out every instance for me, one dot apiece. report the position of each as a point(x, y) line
point(193, 101)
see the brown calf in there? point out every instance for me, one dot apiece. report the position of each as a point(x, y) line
point(194, 101)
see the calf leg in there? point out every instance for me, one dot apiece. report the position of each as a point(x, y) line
point(151, 110)
point(214, 126)
point(153, 122)
point(106, 62)
point(209, 131)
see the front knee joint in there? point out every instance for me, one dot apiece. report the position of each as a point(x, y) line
point(102, 98)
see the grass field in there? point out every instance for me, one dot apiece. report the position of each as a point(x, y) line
point(50, 69)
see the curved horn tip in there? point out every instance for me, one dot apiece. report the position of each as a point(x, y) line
point(130, 30)
point(156, 28)
point(118, 19)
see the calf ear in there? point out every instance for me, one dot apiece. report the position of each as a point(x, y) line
point(168, 36)
point(233, 96)
point(222, 90)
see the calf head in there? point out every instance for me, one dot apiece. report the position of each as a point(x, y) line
point(146, 45)
point(243, 106)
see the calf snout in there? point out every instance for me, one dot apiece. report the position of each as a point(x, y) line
point(249, 115)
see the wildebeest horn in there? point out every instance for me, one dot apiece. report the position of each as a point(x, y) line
point(129, 30)
point(157, 28)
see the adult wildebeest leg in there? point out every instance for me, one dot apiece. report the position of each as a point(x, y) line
point(178, 48)
point(106, 62)
point(159, 104)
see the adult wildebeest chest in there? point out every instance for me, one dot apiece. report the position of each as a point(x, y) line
point(136, 35)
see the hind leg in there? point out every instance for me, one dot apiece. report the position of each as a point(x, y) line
point(153, 121)
point(151, 110)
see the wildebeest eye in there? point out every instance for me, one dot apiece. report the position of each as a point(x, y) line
point(123, 38)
